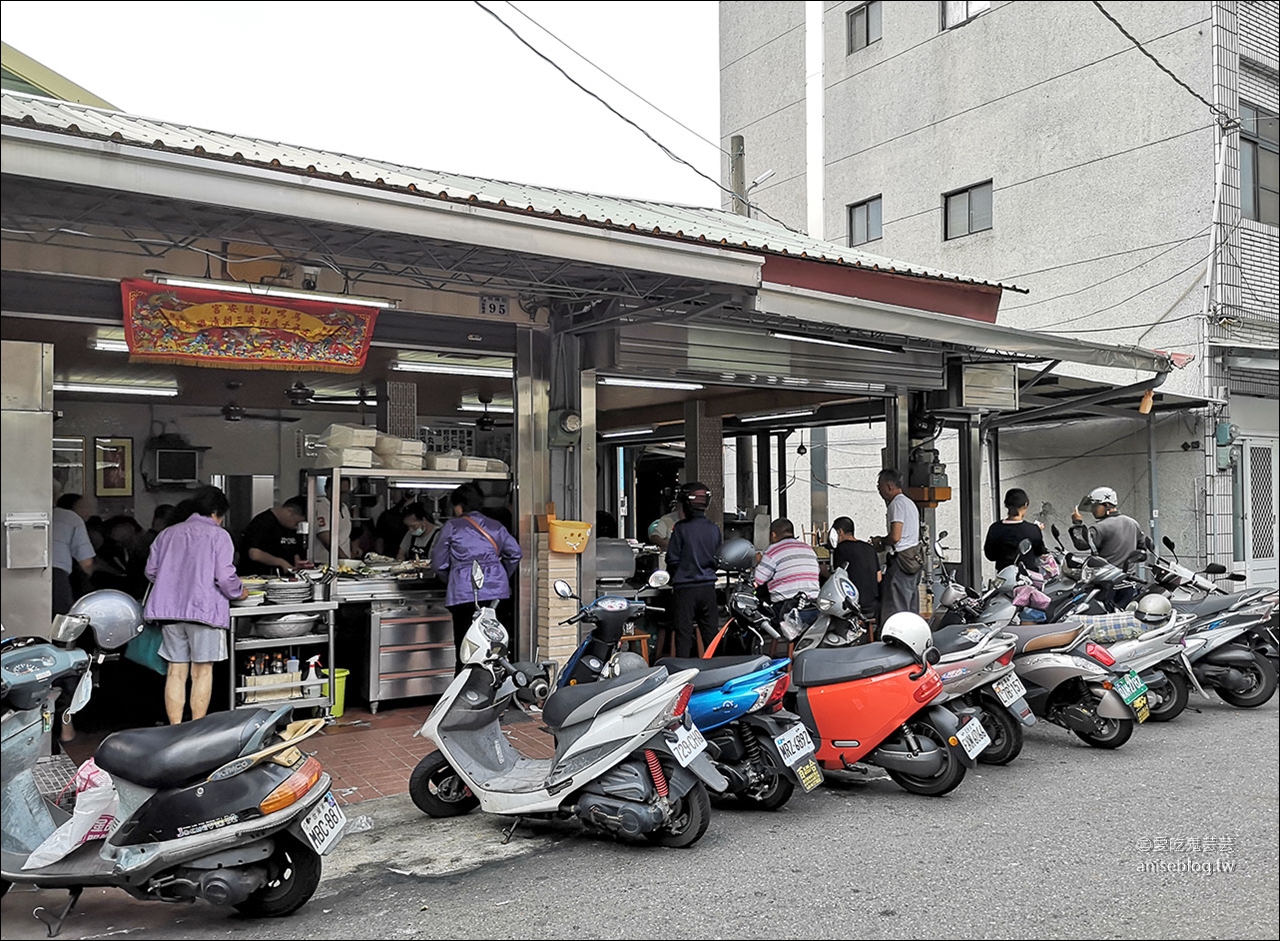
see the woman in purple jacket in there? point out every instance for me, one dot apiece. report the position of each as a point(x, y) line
point(193, 578)
point(472, 536)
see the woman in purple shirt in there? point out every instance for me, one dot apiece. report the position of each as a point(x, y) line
point(472, 536)
point(193, 578)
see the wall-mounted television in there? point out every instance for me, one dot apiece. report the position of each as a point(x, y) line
point(177, 466)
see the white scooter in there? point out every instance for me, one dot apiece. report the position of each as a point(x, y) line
point(628, 758)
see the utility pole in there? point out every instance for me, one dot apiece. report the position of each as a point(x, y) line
point(738, 174)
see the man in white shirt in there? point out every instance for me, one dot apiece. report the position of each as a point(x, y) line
point(324, 526)
point(900, 590)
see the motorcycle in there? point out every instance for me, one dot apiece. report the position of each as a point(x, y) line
point(1070, 683)
point(875, 704)
point(840, 621)
point(227, 808)
point(628, 758)
point(762, 750)
point(1131, 646)
point(978, 677)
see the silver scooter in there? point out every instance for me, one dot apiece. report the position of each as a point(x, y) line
point(628, 758)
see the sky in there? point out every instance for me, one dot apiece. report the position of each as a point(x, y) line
point(440, 86)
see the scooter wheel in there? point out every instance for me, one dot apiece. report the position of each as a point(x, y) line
point(946, 780)
point(1114, 733)
point(1263, 675)
point(437, 790)
point(294, 875)
point(690, 816)
point(1005, 731)
point(1174, 695)
point(770, 796)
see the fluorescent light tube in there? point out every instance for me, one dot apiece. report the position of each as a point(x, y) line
point(271, 290)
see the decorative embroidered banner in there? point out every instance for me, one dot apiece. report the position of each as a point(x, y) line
point(204, 327)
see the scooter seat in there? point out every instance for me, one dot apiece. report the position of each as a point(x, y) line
point(174, 755)
point(826, 665)
point(957, 637)
point(1033, 637)
point(715, 672)
point(574, 704)
point(1208, 605)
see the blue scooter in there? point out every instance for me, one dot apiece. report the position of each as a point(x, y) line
point(761, 749)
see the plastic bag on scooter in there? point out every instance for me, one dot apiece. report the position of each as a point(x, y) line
point(96, 816)
point(1025, 596)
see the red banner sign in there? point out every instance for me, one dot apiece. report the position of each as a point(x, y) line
point(207, 327)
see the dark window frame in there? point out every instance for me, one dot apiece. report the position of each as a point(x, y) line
point(967, 191)
point(849, 211)
point(1251, 142)
point(855, 31)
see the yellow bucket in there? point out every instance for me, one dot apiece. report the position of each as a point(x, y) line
point(568, 535)
point(339, 691)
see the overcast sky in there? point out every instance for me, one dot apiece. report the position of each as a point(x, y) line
point(433, 85)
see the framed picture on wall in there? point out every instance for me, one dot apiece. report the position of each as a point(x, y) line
point(69, 463)
point(113, 460)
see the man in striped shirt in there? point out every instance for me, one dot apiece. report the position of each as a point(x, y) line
point(789, 566)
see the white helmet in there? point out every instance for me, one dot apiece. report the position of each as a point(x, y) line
point(910, 630)
point(1153, 609)
point(1104, 495)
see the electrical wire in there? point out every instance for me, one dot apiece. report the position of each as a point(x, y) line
point(1226, 119)
point(1085, 261)
point(615, 80)
point(657, 143)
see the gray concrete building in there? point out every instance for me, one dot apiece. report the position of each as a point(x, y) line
point(1035, 143)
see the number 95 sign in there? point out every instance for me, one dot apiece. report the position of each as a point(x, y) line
point(492, 306)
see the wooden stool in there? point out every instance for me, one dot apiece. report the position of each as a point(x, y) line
point(641, 639)
point(667, 638)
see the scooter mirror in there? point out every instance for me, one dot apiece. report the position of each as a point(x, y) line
point(1215, 568)
point(942, 535)
point(565, 590)
point(477, 575)
point(659, 579)
point(1146, 541)
point(1024, 547)
point(1168, 544)
point(1238, 577)
point(1057, 533)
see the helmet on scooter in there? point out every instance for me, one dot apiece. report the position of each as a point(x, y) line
point(908, 629)
point(1153, 609)
point(738, 555)
point(627, 662)
point(116, 618)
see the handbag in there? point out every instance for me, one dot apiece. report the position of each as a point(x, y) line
point(145, 649)
point(910, 560)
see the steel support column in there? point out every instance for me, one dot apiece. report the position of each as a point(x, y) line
point(745, 466)
point(588, 474)
point(971, 503)
point(897, 438)
point(764, 468)
point(532, 472)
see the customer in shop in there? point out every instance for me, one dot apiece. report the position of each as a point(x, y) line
point(691, 559)
point(271, 542)
point(473, 537)
point(1006, 535)
point(193, 581)
point(788, 568)
point(900, 590)
point(72, 549)
point(421, 532)
point(861, 562)
point(122, 561)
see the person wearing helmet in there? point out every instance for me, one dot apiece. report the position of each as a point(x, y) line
point(691, 560)
point(1115, 534)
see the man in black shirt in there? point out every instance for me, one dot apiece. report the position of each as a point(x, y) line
point(691, 560)
point(271, 541)
point(862, 563)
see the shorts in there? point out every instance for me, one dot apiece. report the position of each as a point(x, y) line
point(188, 642)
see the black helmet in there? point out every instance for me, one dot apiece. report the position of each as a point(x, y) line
point(738, 555)
point(695, 496)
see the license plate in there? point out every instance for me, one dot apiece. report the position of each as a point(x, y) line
point(1140, 708)
point(1130, 687)
point(323, 826)
point(689, 744)
point(973, 737)
point(1009, 689)
point(809, 774)
point(794, 744)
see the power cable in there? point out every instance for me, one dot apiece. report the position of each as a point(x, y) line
point(615, 80)
point(1084, 261)
point(657, 143)
point(1223, 117)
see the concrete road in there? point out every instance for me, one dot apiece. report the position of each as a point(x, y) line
point(1172, 836)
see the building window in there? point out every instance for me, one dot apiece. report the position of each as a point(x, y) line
point(955, 12)
point(864, 26)
point(968, 210)
point(1259, 165)
point(864, 221)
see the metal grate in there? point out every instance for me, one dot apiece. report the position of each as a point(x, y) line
point(401, 408)
point(52, 775)
point(1262, 499)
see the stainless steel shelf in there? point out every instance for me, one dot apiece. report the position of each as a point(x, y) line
point(256, 643)
point(303, 703)
point(267, 608)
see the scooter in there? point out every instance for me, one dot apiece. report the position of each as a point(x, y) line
point(978, 677)
point(628, 758)
point(227, 808)
point(840, 621)
point(1070, 683)
point(1224, 656)
point(762, 750)
point(1142, 649)
point(875, 704)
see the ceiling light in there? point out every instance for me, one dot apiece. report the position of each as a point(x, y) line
point(629, 432)
point(111, 388)
point(797, 413)
point(413, 484)
point(648, 383)
point(454, 369)
point(271, 290)
point(492, 409)
point(108, 346)
point(846, 345)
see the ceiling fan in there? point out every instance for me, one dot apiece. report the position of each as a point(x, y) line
point(233, 412)
point(486, 422)
point(300, 395)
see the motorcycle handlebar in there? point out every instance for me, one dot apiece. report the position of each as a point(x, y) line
point(516, 675)
point(654, 609)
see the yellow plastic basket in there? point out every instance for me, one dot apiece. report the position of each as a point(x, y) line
point(568, 535)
